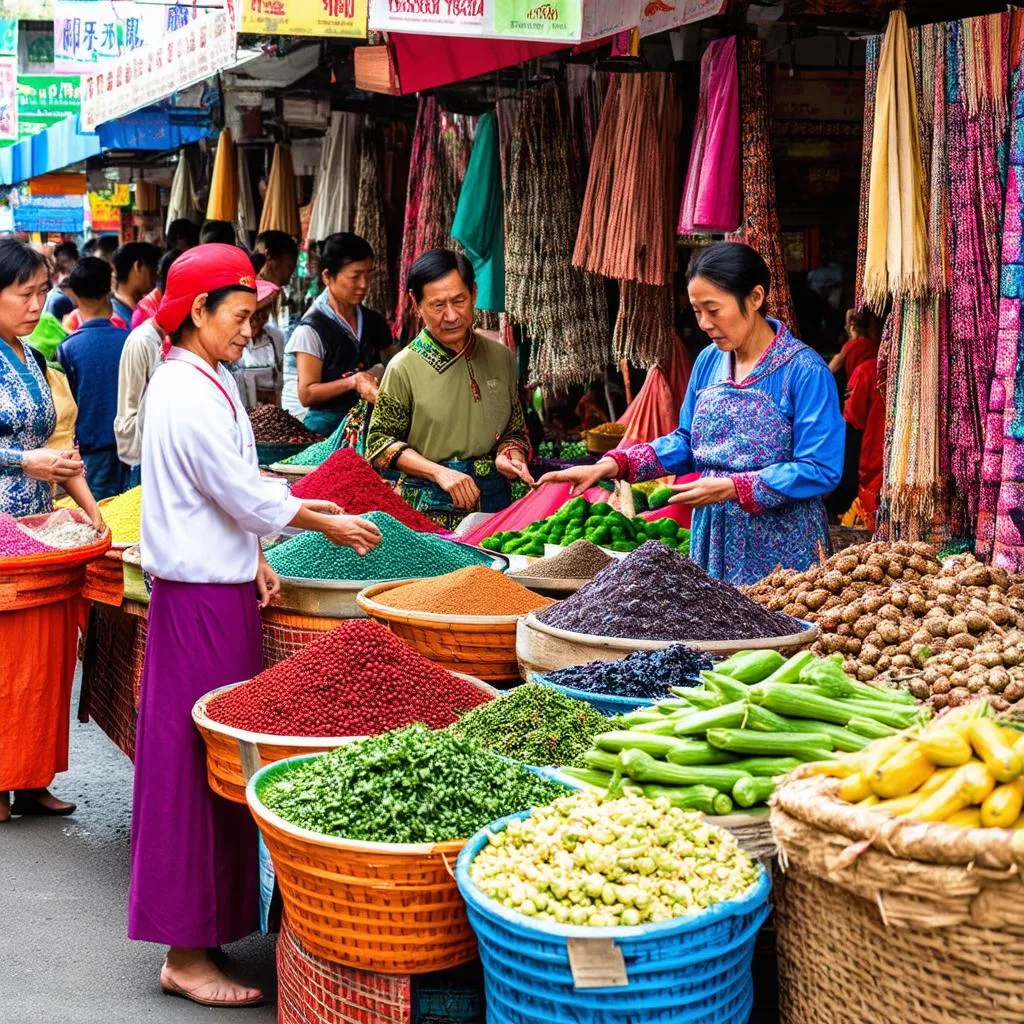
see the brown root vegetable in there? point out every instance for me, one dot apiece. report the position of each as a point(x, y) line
point(964, 641)
point(816, 599)
point(939, 701)
point(957, 624)
point(960, 661)
point(941, 686)
point(958, 696)
point(903, 661)
point(863, 627)
point(977, 622)
point(920, 689)
point(920, 653)
point(998, 680)
point(1014, 690)
point(958, 679)
point(869, 654)
point(888, 631)
point(853, 646)
point(884, 663)
point(890, 613)
point(1000, 704)
point(866, 673)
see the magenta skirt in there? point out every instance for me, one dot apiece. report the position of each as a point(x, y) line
point(194, 871)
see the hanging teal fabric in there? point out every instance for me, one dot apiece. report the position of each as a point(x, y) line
point(479, 225)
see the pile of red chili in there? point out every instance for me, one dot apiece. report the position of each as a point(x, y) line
point(347, 479)
point(356, 680)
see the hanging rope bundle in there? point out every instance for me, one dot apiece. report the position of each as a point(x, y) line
point(440, 150)
point(626, 228)
point(761, 229)
point(370, 222)
point(645, 325)
point(564, 310)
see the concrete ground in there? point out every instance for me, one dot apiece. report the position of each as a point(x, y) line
point(64, 954)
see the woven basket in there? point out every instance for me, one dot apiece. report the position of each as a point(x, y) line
point(233, 755)
point(389, 908)
point(542, 648)
point(887, 919)
point(482, 645)
point(285, 632)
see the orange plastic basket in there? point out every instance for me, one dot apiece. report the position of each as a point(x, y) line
point(389, 908)
point(482, 645)
point(232, 755)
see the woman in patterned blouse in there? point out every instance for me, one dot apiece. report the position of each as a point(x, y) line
point(28, 470)
point(760, 423)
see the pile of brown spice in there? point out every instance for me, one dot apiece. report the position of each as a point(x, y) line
point(476, 590)
point(581, 560)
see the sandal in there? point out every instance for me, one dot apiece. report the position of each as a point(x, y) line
point(172, 988)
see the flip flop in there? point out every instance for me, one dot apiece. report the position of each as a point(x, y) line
point(172, 988)
point(33, 807)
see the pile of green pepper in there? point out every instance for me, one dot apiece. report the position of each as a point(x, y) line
point(597, 522)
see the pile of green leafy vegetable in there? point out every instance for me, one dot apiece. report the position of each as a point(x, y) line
point(410, 785)
point(535, 724)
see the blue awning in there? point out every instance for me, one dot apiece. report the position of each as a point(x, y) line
point(155, 129)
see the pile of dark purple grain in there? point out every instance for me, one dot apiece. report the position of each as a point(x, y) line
point(656, 594)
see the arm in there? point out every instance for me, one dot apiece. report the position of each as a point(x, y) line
point(819, 436)
point(312, 391)
point(78, 489)
point(68, 366)
point(838, 361)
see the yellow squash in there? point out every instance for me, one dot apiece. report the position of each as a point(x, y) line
point(1002, 760)
point(1003, 805)
point(901, 804)
point(854, 788)
point(879, 751)
point(970, 784)
point(902, 773)
point(938, 778)
point(945, 746)
point(969, 817)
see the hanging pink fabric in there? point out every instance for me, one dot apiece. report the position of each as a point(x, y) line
point(655, 410)
point(713, 194)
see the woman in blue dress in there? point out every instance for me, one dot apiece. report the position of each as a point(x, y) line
point(760, 423)
point(33, 719)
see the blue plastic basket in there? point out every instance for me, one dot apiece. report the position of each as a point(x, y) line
point(690, 970)
point(606, 703)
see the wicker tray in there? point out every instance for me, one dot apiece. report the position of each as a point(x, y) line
point(483, 645)
point(888, 919)
point(233, 755)
point(543, 648)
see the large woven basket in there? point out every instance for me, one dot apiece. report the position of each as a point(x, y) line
point(233, 755)
point(542, 648)
point(285, 632)
point(385, 907)
point(482, 645)
point(887, 919)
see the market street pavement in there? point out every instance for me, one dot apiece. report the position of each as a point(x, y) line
point(64, 954)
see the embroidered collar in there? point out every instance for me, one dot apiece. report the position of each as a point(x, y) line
point(435, 355)
point(779, 352)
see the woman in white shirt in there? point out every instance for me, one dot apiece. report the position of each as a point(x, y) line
point(194, 855)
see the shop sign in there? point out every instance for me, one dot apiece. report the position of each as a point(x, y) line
point(663, 15)
point(553, 21)
point(331, 19)
point(59, 214)
point(8, 37)
point(105, 214)
point(190, 55)
point(8, 99)
point(49, 94)
point(91, 32)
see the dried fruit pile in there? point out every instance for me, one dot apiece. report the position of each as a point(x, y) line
point(357, 680)
point(272, 425)
point(948, 632)
point(347, 479)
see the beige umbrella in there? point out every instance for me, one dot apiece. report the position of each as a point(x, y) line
point(223, 204)
point(280, 207)
point(183, 202)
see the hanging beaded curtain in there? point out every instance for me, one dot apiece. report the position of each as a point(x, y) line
point(563, 310)
point(440, 151)
point(1000, 534)
point(873, 48)
point(370, 222)
point(760, 228)
point(975, 129)
point(626, 229)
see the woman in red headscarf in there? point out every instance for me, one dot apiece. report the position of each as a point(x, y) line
point(193, 854)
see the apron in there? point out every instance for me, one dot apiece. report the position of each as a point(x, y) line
point(741, 430)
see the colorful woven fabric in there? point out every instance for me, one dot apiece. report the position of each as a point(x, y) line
point(874, 48)
point(370, 223)
point(760, 228)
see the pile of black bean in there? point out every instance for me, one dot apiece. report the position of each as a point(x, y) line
point(641, 674)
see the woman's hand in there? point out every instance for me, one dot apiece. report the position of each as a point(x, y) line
point(351, 532)
point(268, 583)
point(367, 387)
point(511, 464)
point(462, 489)
point(324, 508)
point(709, 490)
point(582, 477)
point(49, 464)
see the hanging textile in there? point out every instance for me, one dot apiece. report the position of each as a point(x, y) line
point(895, 262)
point(760, 229)
point(440, 152)
point(975, 129)
point(872, 50)
point(713, 194)
point(564, 310)
point(479, 223)
point(246, 224)
point(655, 410)
point(223, 201)
point(280, 205)
point(1000, 533)
point(625, 224)
point(645, 324)
point(369, 223)
point(334, 187)
point(183, 204)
